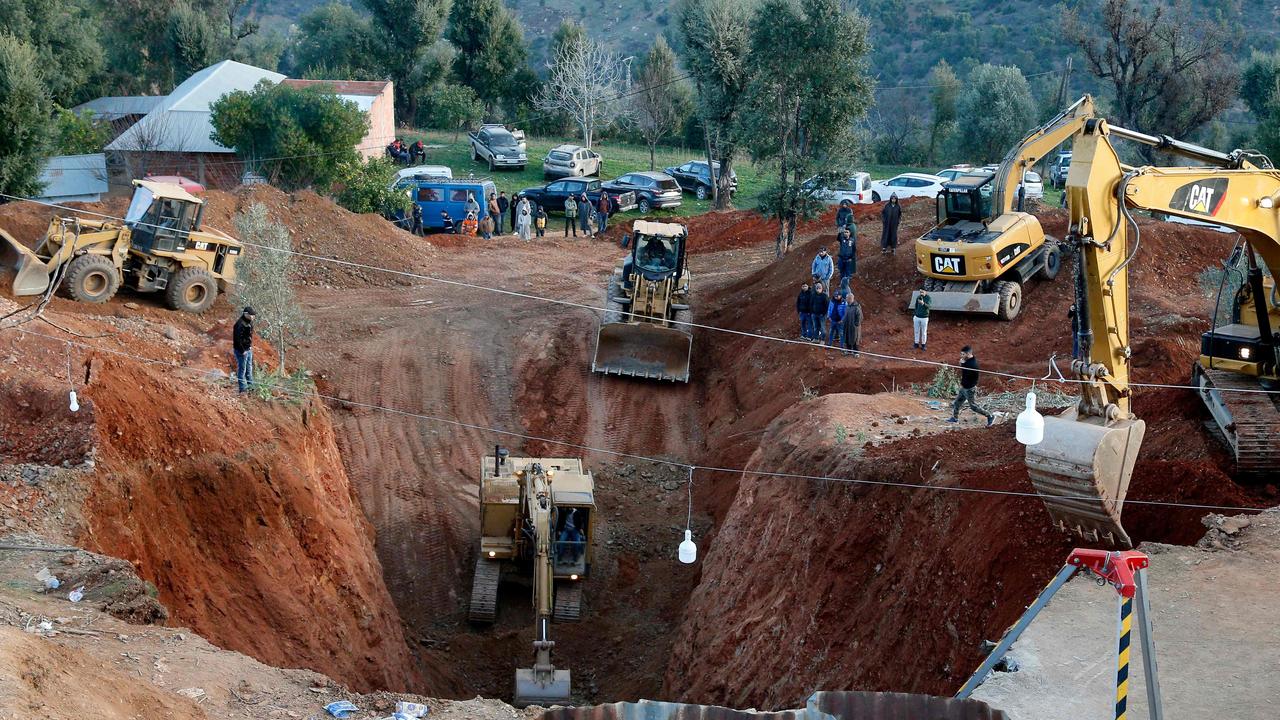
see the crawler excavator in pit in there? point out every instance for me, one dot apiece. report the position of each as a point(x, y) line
point(537, 516)
point(1082, 466)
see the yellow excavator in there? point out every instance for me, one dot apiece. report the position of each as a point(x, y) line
point(158, 248)
point(1083, 464)
point(537, 516)
point(647, 301)
point(985, 247)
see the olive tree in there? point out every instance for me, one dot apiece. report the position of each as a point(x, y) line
point(996, 110)
point(264, 279)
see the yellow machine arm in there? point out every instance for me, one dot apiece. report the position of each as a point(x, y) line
point(1032, 149)
point(543, 682)
point(1083, 465)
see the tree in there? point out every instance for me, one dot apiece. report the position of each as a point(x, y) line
point(1259, 82)
point(661, 102)
point(79, 133)
point(454, 107)
point(25, 120)
point(799, 115)
point(309, 131)
point(64, 38)
point(943, 91)
point(334, 36)
point(714, 38)
point(1171, 74)
point(406, 30)
point(996, 110)
point(490, 47)
point(264, 279)
point(192, 41)
point(366, 187)
point(568, 32)
point(586, 82)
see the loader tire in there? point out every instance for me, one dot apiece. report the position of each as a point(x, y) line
point(1010, 299)
point(92, 279)
point(1052, 263)
point(191, 290)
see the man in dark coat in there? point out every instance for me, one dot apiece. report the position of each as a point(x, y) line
point(969, 388)
point(852, 324)
point(242, 346)
point(890, 216)
point(844, 216)
point(417, 219)
point(817, 312)
point(848, 254)
point(802, 309)
point(503, 204)
point(835, 313)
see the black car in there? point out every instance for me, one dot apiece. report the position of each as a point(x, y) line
point(652, 189)
point(694, 177)
point(552, 195)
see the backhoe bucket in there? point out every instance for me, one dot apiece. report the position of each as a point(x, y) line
point(27, 273)
point(541, 687)
point(646, 350)
point(1082, 469)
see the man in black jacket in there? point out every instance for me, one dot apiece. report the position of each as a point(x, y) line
point(242, 345)
point(818, 303)
point(503, 204)
point(968, 388)
point(802, 309)
point(848, 255)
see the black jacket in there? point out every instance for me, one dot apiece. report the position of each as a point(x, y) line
point(803, 301)
point(848, 247)
point(242, 335)
point(818, 303)
point(503, 203)
point(969, 373)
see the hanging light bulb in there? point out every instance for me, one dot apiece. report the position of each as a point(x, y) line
point(688, 550)
point(1030, 423)
point(75, 404)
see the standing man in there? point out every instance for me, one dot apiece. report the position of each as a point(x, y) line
point(920, 321)
point(494, 212)
point(844, 216)
point(890, 216)
point(473, 206)
point(817, 311)
point(602, 211)
point(969, 388)
point(802, 309)
point(540, 221)
point(242, 346)
point(524, 219)
point(835, 313)
point(852, 324)
point(486, 227)
point(417, 219)
point(822, 267)
point(584, 214)
point(503, 204)
point(848, 254)
point(571, 216)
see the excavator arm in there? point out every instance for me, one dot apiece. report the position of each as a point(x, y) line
point(1083, 465)
point(1042, 141)
point(541, 684)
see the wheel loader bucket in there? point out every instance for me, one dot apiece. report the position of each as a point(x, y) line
point(28, 274)
point(1081, 469)
point(534, 687)
point(646, 350)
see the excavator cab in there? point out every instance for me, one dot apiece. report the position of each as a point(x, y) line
point(651, 290)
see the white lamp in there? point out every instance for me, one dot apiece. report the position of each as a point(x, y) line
point(75, 404)
point(688, 550)
point(1030, 423)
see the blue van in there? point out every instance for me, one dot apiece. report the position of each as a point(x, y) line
point(434, 194)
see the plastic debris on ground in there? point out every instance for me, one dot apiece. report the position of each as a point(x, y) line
point(341, 708)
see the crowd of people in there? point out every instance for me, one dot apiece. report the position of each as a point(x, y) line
point(520, 216)
point(406, 154)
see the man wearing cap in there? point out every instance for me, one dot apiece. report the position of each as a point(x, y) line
point(242, 344)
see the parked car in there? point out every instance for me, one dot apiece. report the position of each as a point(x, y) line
point(552, 195)
point(694, 177)
point(495, 145)
point(440, 172)
point(954, 172)
point(436, 194)
point(1058, 170)
point(856, 189)
point(571, 160)
point(652, 189)
point(907, 185)
point(1034, 186)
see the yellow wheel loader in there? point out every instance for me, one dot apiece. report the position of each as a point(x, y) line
point(537, 517)
point(651, 290)
point(159, 247)
point(1083, 464)
point(985, 248)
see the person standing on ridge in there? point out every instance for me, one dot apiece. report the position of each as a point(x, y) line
point(822, 267)
point(570, 216)
point(817, 312)
point(852, 324)
point(503, 204)
point(920, 321)
point(890, 216)
point(242, 346)
point(848, 254)
point(802, 309)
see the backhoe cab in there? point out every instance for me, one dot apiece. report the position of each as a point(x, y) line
point(159, 247)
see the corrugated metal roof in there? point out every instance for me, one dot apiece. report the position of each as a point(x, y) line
point(345, 87)
point(79, 177)
point(181, 122)
point(821, 706)
point(111, 108)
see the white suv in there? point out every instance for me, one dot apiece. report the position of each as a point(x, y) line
point(565, 160)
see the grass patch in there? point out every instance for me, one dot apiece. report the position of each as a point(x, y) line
point(842, 434)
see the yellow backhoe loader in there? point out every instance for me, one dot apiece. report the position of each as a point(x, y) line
point(637, 336)
point(985, 248)
point(158, 247)
point(537, 516)
point(1083, 465)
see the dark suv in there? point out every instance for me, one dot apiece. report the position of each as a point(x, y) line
point(552, 195)
point(694, 177)
point(652, 189)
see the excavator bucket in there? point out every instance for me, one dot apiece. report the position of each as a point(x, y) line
point(645, 350)
point(1082, 469)
point(28, 274)
point(536, 686)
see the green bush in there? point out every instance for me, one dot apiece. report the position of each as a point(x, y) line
point(364, 187)
point(945, 383)
point(79, 134)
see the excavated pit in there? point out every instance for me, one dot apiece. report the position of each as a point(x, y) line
point(270, 519)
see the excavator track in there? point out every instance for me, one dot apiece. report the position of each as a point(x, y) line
point(1249, 422)
point(568, 606)
point(484, 591)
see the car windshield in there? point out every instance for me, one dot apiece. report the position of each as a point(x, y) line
point(502, 139)
point(558, 155)
point(656, 254)
point(1032, 176)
